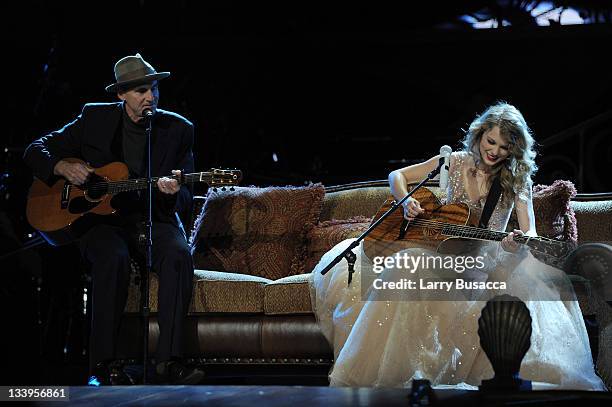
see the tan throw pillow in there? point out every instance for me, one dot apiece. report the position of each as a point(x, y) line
point(326, 235)
point(255, 231)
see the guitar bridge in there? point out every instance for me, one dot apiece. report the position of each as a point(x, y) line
point(65, 195)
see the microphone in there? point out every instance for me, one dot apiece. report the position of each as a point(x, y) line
point(147, 113)
point(445, 152)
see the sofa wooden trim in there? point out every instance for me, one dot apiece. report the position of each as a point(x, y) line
point(582, 197)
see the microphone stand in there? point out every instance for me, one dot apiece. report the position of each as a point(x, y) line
point(148, 115)
point(348, 253)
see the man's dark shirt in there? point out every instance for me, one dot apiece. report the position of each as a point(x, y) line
point(134, 144)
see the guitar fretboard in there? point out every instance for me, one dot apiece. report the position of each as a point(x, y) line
point(141, 183)
point(113, 187)
point(472, 233)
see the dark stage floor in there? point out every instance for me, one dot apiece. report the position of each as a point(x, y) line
point(310, 396)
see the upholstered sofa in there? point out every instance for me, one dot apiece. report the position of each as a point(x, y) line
point(247, 326)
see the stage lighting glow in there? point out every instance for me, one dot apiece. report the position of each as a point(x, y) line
point(93, 381)
point(545, 14)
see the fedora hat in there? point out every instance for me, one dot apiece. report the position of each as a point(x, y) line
point(132, 71)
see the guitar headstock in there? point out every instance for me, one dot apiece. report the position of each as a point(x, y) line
point(224, 177)
point(551, 247)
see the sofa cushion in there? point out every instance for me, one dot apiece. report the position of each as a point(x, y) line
point(219, 292)
point(350, 203)
point(213, 291)
point(255, 231)
point(289, 295)
point(326, 235)
point(216, 291)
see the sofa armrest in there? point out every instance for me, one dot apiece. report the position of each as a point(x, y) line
point(196, 208)
point(593, 261)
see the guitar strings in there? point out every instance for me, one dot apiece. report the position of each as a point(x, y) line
point(461, 228)
point(477, 231)
point(440, 226)
point(117, 186)
point(472, 229)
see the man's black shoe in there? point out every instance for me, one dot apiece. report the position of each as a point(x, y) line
point(174, 372)
point(109, 374)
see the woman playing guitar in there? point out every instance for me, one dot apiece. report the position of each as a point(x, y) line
point(384, 340)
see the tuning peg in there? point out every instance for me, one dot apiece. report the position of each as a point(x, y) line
point(232, 189)
point(214, 189)
point(223, 189)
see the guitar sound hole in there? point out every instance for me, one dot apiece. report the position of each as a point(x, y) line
point(96, 187)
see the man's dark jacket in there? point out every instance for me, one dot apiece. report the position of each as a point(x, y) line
point(95, 136)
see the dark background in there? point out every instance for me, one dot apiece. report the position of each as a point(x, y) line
point(339, 91)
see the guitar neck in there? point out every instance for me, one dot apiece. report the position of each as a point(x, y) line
point(141, 183)
point(538, 243)
point(472, 232)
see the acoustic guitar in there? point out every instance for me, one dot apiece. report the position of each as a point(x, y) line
point(60, 212)
point(449, 229)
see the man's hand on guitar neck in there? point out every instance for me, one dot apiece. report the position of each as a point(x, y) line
point(169, 185)
point(76, 173)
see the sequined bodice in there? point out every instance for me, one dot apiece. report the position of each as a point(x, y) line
point(460, 178)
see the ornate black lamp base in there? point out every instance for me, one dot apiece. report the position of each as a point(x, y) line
point(504, 328)
point(505, 384)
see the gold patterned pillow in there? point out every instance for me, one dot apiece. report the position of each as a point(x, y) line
point(326, 235)
point(255, 231)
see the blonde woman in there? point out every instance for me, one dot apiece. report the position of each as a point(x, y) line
point(380, 339)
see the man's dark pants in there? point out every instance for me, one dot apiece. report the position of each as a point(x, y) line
point(107, 248)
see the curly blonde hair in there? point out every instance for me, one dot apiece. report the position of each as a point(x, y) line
point(515, 171)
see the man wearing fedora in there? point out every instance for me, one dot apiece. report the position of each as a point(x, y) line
point(108, 132)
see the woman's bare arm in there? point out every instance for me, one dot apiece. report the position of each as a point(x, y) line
point(400, 179)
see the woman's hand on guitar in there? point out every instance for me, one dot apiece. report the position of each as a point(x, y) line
point(76, 173)
point(169, 185)
point(508, 243)
point(412, 208)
